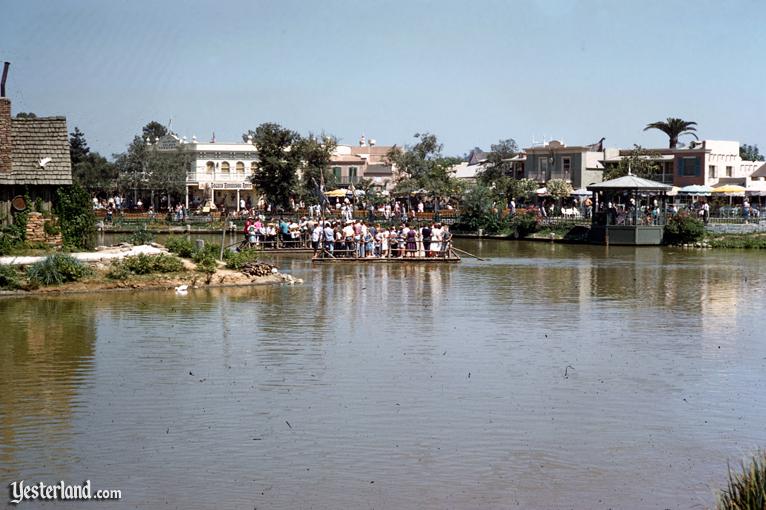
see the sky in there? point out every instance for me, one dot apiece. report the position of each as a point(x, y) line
point(471, 72)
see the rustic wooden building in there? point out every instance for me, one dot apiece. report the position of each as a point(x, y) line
point(34, 158)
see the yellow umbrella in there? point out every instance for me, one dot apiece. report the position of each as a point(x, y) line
point(337, 193)
point(729, 188)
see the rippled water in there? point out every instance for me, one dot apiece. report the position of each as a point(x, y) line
point(400, 387)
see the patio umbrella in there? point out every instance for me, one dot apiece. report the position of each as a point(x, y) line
point(581, 192)
point(337, 193)
point(695, 189)
point(729, 189)
point(541, 191)
point(673, 192)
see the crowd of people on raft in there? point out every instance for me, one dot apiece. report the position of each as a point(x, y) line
point(355, 239)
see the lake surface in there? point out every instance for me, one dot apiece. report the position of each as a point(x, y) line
point(550, 376)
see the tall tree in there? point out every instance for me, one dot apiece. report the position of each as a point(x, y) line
point(143, 167)
point(95, 173)
point(78, 146)
point(498, 164)
point(422, 166)
point(279, 158)
point(26, 115)
point(674, 128)
point(750, 153)
point(154, 130)
point(316, 153)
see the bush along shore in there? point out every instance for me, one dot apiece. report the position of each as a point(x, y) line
point(178, 265)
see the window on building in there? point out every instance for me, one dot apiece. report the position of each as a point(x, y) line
point(240, 167)
point(689, 166)
point(542, 169)
point(225, 167)
point(729, 171)
point(566, 168)
point(336, 172)
point(711, 171)
point(253, 167)
point(352, 174)
point(210, 167)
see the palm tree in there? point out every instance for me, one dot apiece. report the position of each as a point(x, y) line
point(674, 128)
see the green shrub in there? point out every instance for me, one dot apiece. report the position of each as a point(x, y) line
point(181, 246)
point(746, 490)
point(237, 259)
point(207, 266)
point(57, 269)
point(524, 222)
point(211, 251)
point(148, 264)
point(76, 217)
point(9, 277)
point(684, 229)
point(8, 243)
point(117, 271)
point(140, 236)
point(744, 241)
point(51, 228)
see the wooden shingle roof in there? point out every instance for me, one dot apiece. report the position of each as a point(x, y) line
point(34, 141)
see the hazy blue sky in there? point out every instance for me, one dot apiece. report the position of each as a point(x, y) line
point(470, 72)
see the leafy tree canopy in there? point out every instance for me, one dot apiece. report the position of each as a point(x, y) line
point(279, 157)
point(558, 188)
point(78, 146)
point(640, 162)
point(497, 160)
point(26, 115)
point(674, 128)
point(750, 153)
point(153, 130)
point(316, 152)
point(422, 166)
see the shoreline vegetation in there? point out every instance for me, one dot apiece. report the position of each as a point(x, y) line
point(179, 265)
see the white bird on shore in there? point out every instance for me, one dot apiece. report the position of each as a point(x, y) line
point(182, 289)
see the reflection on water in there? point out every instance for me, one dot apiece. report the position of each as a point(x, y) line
point(400, 386)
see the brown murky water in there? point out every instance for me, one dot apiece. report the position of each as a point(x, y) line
point(404, 387)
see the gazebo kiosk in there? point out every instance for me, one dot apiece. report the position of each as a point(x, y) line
point(628, 210)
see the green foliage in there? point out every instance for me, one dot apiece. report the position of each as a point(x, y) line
point(78, 147)
point(740, 241)
point(51, 228)
point(498, 164)
point(522, 187)
point(524, 222)
point(94, 173)
point(750, 153)
point(26, 115)
point(38, 207)
point(476, 211)
point(674, 128)
point(640, 162)
point(209, 252)
point(9, 277)
point(149, 264)
point(18, 229)
point(140, 236)
point(684, 229)
point(745, 490)
point(154, 130)
point(316, 153)
point(237, 259)
point(423, 167)
point(207, 266)
point(278, 160)
point(57, 269)
point(8, 243)
point(181, 246)
point(76, 218)
point(558, 188)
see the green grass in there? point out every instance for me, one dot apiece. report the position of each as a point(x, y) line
point(57, 269)
point(746, 489)
point(741, 241)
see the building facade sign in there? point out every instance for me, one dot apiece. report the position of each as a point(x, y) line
point(226, 185)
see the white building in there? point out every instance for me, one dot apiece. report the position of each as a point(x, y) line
point(219, 173)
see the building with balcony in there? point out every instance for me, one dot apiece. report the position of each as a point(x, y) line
point(218, 174)
point(704, 162)
point(350, 164)
point(579, 165)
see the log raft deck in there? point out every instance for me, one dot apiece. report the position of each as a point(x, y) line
point(327, 258)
